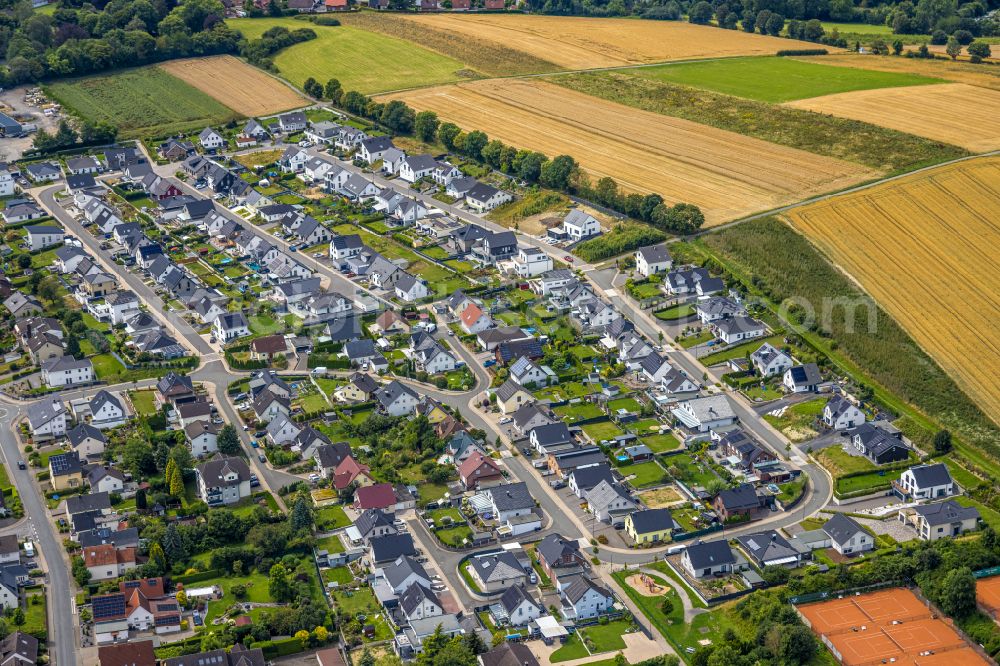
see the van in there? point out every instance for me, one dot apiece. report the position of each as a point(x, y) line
point(29, 549)
point(673, 550)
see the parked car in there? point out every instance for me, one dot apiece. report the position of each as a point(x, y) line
point(261, 457)
point(21, 465)
point(254, 481)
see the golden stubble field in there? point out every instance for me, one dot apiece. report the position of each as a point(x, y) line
point(242, 87)
point(956, 113)
point(927, 248)
point(728, 175)
point(585, 43)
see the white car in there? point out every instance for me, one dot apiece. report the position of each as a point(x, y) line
point(314, 477)
point(505, 420)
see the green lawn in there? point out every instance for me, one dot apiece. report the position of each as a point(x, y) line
point(256, 587)
point(365, 61)
point(602, 430)
point(331, 517)
point(454, 536)
point(140, 102)
point(776, 80)
point(661, 443)
point(875, 480)
point(35, 617)
point(144, 402)
point(857, 28)
point(607, 637)
point(700, 337)
point(990, 516)
point(341, 575)
point(331, 544)
point(796, 422)
point(107, 366)
point(578, 411)
point(675, 312)
point(646, 474)
point(627, 403)
point(646, 290)
point(572, 649)
point(739, 350)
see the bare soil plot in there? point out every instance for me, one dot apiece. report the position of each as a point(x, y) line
point(726, 174)
point(927, 248)
point(242, 87)
point(585, 43)
point(941, 112)
point(959, 72)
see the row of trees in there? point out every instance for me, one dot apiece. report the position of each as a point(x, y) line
point(560, 173)
point(66, 137)
point(259, 51)
point(79, 38)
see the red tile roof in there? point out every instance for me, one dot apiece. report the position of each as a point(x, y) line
point(477, 466)
point(471, 314)
point(348, 471)
point(378, 496)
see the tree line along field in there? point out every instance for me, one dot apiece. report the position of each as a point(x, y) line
point(875, 147)
point(927, 248)
point(784, 265)
point(241, 87)
point(725, 174)
point(586, 43)
point(942, 112)
point(145, 101)
point(368, 62)
point(776, 79)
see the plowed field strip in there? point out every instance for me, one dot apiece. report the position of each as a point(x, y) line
point(583, 43)
point(928, 249)
point(956, 113)
point(726, 174)
point(241, 87)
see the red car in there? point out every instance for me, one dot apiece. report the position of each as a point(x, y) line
point(568, 258)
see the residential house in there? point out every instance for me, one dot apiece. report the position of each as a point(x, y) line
point(583, 479)
point(202, 437)
point(769, 549)
point(527, 373)
point(375, 496)
point(705, 414)
point(267, 406)
point(529, 417)
point(552, 437)
point(504, 654)
point(495, 247)
point(511, 500)
point(359, 388)
point(416, 167)
point(558, 555)
point(518, 607)
point(924, 482)
point(404, 573)
point(86, 440)
point(419, 602)
point(396, 399)
point(739, 328)
point(650, 526)
point(103, 479)
point(372, 149)
point(532, 261)
point(343, 248)
point(770, 361)
point(584, 599)
point(578, 225)
point(703, 559)
point(67, 371)
point(741, 502)
point(802, 378)
point(479, 471)
point(473, 320)
point(653, 259)
point(210, 139)
point(43, 236)
point(374, 523)
point(293, 121)
point(483, 198)
point(944, 519)
point(268, 347)
point(715, 309)
point(47, 419)
point(390, 548)
point(840, 413)
point(880, 442)
point(511, 396)
point(496, 571)
point(133, 653)
point(22, 305)
point(610, 502)
point(223, 480)
point(106, 562)
point(409, 289)
point(230, 326)
point(348, 473)
point(846, 536)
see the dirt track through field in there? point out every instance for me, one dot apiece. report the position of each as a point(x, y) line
point(243, 88)
point(955, 113)
point(927, 248)
point(726, 174)
point(583, 43)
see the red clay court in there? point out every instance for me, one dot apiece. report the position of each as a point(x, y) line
point(889, 626)
point(988, 594)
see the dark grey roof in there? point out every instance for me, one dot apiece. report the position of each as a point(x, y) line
point(553, 433)
point(654, 254)
point(102, 535)
point(841, 528)
point(507, 390)
point(588, 477)
point(371, 519)
point(743, 496)
point(498, 566)
point(82, 432)
point(710, 554)
point(946, 512)
point(414, 596)
point(389, 393)
point(928, 476)
point(554, 547)
point(391, 546)
point(652, 520)
point(214, 471)
point(237, 656)
point(580, 586)
point(509, 654)
point(805, 375)
point(403, 568)
point(514, 596)
point(511, 496)
point(767, 546)
point(65, 463)
point(328, 456)
point(90, 502)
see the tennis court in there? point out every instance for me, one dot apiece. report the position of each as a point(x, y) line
point(965, 656)
point(833, 617)
point(923, 636)
point(858, 648)
point(988, 594)
point(885, 606)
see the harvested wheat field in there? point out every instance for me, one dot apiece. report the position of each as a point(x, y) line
point(241, 87)
point(940, 112)
point(927, 248)
point(950, 70)
point(585, 43)
point(726, 174)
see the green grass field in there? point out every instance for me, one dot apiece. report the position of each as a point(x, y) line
point(777, 80)
point(364, 61)
point(140, 102)
point(857, 28)
point(645, 474)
